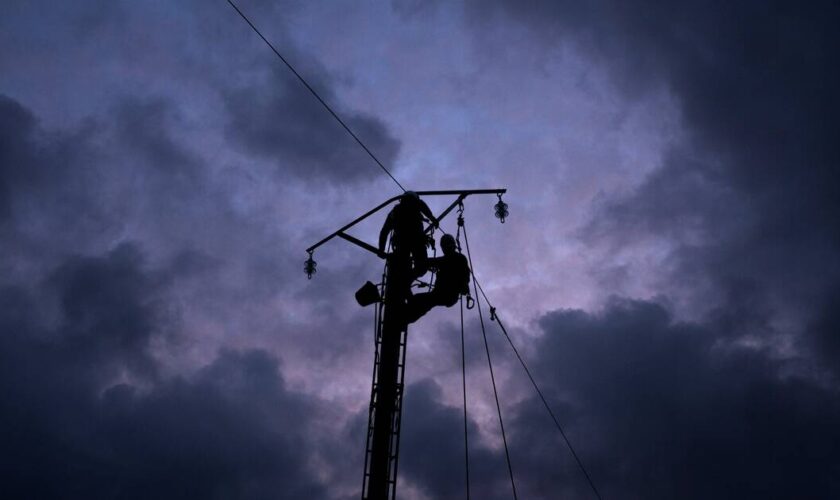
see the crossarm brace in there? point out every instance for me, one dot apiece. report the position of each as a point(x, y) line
point(364, 245)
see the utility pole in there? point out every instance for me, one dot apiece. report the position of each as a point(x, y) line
point(382, 448)
point(385, 411)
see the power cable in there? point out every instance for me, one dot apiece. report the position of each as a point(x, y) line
point(333, 113)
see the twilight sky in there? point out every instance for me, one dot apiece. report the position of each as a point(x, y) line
point(670, 268)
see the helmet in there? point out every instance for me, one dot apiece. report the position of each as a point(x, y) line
point(447, 240)
point(410, 197)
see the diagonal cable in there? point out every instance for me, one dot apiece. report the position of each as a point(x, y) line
point(327, 106)
point(495, 317)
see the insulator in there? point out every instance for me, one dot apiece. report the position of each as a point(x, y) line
point(501, 210)
point(309, 266)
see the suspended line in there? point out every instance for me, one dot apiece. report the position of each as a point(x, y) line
point(489, 362)
point(464, 385)
point(495, 317)
point(333, 113)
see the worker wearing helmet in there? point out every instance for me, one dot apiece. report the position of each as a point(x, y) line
point(405, 225)
point(453, 278)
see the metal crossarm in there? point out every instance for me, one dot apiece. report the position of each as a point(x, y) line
point(341, 232)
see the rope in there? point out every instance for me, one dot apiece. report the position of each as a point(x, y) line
point(460, 225)
point(495, 317)
point(433, 271)
point(464, 385)
point(333, 113)
point(489, 362)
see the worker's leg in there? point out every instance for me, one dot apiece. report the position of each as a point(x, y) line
point(418, 305)
point(449, 299)
point(421, 259)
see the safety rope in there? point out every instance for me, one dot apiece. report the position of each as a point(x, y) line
point(464, 385)
point(470, 301)
point(489, 361)
point(460, 225)
point(433, 271)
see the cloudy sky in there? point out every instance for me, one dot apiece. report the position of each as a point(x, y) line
point(670, 268)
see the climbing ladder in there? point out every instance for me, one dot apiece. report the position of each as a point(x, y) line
point(387, 379)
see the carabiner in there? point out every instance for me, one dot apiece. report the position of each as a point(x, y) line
point(470, 302)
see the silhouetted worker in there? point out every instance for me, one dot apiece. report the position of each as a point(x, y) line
point(453, 279)
point(405, 221)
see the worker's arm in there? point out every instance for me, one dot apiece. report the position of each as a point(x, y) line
point(383, 233)
point(465, 269)
point(427, 212)
point(435, 262)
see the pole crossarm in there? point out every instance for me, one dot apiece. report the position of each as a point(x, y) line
point(341, 233)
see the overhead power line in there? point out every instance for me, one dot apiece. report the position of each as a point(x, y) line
point(309, 87)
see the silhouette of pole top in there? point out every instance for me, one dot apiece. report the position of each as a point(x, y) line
point(460, 193)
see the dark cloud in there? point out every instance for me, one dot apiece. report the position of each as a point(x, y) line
point(34, 162)
point(51, 184)
point(662, 409)
point(16, 126)
point(824, 330)
point(749, 201)
point(87, 413)
point(280, 120)
point(146, 129)
point(108, 309)
point(432, 449)
point(76, 189)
